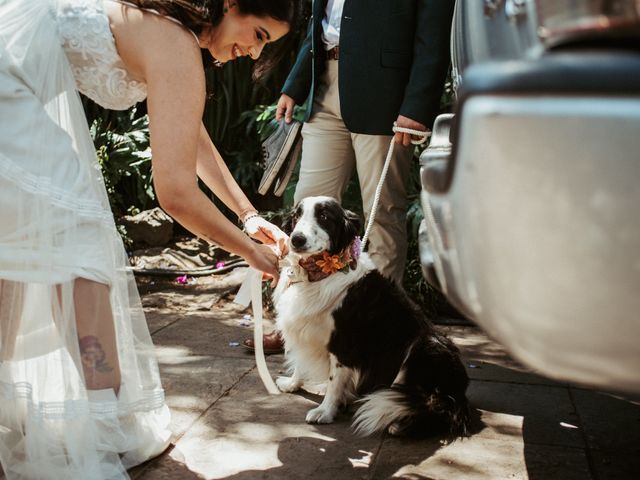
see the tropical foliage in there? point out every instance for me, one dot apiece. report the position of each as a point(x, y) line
point(122, 145)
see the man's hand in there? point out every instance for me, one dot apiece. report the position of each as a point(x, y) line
point(285, 108)
point(405, 138)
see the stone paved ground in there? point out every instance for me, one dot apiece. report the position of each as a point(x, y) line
point(226, 426)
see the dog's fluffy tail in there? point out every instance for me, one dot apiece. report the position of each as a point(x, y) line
point(403, 411)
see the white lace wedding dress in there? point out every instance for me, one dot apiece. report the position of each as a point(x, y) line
point(56, 227)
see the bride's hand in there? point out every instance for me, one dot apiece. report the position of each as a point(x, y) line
point(267, 233)
point(265, 259)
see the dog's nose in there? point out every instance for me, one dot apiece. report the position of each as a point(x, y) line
point(298, 240)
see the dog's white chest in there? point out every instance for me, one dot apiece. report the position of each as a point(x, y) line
point(301, 314)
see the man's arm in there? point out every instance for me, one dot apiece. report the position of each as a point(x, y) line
point(431, 59)
point(298, 83)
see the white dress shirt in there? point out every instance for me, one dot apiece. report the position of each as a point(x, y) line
point(331, 24)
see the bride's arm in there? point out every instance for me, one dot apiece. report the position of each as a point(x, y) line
point(215, 174)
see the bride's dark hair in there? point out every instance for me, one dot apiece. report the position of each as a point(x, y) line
point(197, 14)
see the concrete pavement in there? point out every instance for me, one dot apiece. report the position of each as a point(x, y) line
point(226, 426)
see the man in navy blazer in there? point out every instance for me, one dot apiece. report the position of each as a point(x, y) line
point(364, 65)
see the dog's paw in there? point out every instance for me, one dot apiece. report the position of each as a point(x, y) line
point(320, 415)
point(288, 384)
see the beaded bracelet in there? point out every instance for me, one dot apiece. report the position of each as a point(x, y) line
point(249, 217)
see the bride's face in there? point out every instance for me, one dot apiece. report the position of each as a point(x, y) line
point(238, 35)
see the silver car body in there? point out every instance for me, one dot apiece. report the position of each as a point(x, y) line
point(531, 191)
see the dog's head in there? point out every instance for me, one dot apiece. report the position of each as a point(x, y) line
point(320, 223)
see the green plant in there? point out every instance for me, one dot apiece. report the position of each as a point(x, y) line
point(122, 145)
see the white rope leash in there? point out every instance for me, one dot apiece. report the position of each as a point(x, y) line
point(376, 199)
point(251, 293)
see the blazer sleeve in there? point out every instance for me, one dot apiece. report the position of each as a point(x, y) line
point(431, 59)
point(298, 83)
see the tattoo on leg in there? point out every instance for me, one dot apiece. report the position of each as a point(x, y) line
point(93, 356)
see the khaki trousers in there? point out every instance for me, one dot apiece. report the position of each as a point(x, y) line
point(330, 152)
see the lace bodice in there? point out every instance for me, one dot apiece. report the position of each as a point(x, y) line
point(99, 71)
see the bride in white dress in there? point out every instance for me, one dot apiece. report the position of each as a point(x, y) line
point(80, 392)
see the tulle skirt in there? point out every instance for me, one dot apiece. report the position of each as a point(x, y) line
point(80, 392)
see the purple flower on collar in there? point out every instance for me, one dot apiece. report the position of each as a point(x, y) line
point(356, 247)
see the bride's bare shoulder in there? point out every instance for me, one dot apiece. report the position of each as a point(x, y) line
point(144, 39)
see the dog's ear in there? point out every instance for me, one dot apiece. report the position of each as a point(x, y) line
point(349, 230)
point(352, 224)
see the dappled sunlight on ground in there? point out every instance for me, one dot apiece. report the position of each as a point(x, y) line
point(462, 460)
point(174, 355)
point(524, 426)
point(504, 425)
point(247, 446)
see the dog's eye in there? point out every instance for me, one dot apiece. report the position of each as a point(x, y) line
point(324, 216)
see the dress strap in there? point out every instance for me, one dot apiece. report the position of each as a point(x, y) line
point(156, 12)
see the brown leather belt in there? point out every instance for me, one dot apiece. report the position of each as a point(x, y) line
point(333, 54)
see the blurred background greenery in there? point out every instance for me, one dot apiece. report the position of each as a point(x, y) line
point(239, 114)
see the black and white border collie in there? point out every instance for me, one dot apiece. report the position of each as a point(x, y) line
point(345, 324)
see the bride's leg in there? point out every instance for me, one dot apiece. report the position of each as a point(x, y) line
point(96, 335)
point(11, 298)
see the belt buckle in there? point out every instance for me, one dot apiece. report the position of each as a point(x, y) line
point(333, 53)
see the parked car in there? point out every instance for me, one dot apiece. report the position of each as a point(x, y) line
point(531, 189)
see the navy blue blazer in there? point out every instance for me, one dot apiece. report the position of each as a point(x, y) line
point(394, 57)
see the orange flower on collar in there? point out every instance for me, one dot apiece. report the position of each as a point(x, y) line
point(330, 263)
point(320, 265)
